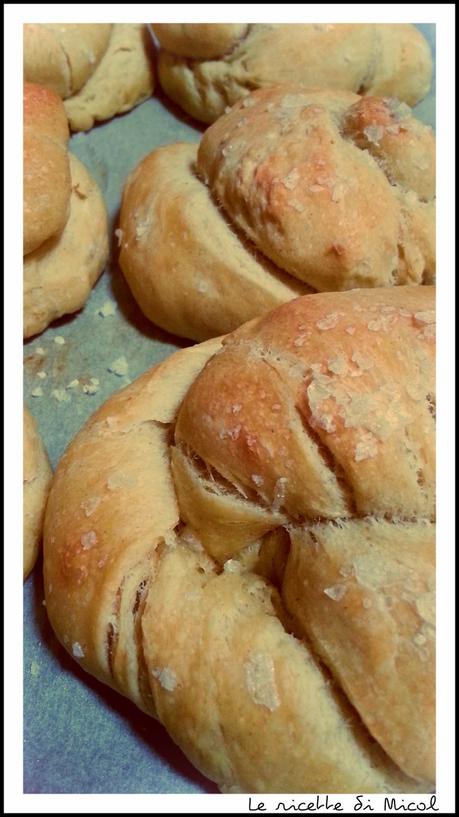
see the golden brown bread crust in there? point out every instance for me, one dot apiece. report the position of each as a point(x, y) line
point(319, 190)
point(100, 70)
point(63, 56)
point(187, 269)
point(46, 166)
point(310, 178)
point(60, 274)
point(123, 79)
point(36, 481)
point(199, 40)
point(309, 436)
point(392, 60)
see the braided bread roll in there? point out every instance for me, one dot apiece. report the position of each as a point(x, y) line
point(36, 481)
point(242, 542)
point(289, 192)
point(206, 67)
point(99, 69)
point(65, 220)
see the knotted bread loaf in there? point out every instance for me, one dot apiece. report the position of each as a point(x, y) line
point(242, 541)
point(291, 191)
point(36, 481)
point(99, 69)
point(65, 222)
point(205, 68)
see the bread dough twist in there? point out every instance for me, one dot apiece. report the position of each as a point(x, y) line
point(205, 68)
point(290, 191)
point(242, 542)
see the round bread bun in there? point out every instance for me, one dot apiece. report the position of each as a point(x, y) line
point(290, 191)
point(60, 274)
point(242, 542)
point(100, 70)
point(36, 482)
point(205, 68)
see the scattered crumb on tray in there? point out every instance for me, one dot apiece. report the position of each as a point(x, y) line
point(107, 310)
point(60, 395)
point(119, 366)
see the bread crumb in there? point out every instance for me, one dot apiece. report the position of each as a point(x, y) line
point(166, 677)
point(34, 669)
point(232, 566)
point(300, 340)
point(329, 322)
point(42, 374)
point(59, 340)
point(232, 433)
point(107, 309)
point(90, 388)
point(257, 479)
point(338, 365)
point(90, 505)
point(374, 133)
point(39, 351)
point(361, 361)
point(77, 650)
point(236, 407)
point(73, 384)
point(88, 540)
point(366, 448)
point(279, 493)
point(119, 367)
point(119, 236)
point(292, 179)
point(60, 395)
point(260, 680)
point(337, 592)
point(37, 392)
